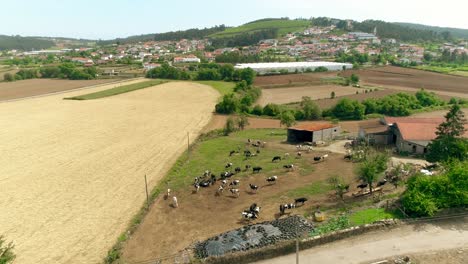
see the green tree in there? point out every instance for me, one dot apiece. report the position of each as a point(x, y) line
point(247, 75)
point(227, 71)
point(310, 109)
point(271, 110)
point(347, 109)
point(449, 143)
point(372, 168)
point(6, 252)
point(332, 95)
point(287, 118)
point(8, 77)
point(242, 122)
point(354, 78)
point(230, 104)
point(338, 184)
point(229, 127)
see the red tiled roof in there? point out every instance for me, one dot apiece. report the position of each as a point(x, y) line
point(393, 120)
point(417, 131)
point(313, 126)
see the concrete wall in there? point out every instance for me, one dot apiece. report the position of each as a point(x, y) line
point(405, 146)
point(326, 134)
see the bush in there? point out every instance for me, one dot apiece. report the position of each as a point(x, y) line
point(8, 77)
point(26, 74)
point(428, 99)
point(50, 72)
point(257, 110)
point(347, 109)
point(229, 127)
point(230, 104)
point(209, 74)
point(321, 69)
point(310, 109)
point(271, 110)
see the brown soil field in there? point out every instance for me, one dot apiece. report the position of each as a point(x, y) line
point(35, 87)
point(165, 230)
point(411, 79)
point(295, 94)
point(72, 172)
point(303, 78)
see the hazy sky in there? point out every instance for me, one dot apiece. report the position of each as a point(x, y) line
point(120, 18)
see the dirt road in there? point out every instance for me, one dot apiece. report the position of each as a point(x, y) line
point(71, 172)
point(408, 239)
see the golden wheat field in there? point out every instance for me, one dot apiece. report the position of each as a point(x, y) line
point(72, 172)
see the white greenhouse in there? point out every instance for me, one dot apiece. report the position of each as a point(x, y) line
point(276, 67)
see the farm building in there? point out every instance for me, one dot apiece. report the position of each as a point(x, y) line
point(272, 67)
point(410, 135)
point(313, 132)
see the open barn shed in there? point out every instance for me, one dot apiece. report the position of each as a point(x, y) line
point(313, 132)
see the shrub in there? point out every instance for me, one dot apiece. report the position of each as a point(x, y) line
point(271, 110)
point(257, 110)
point(209, 74)
point(230, 104)
point(310, 109)
point(321, 69)
point(287, 118)
point(332, 95)
point(8, 77)
point(428, 99)
point(347, 109)
point(229, 127)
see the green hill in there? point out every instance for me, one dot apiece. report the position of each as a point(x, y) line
point(24, 43)
point(455, 32)
point(282, 26)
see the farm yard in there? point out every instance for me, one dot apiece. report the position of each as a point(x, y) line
point(295, 94)
point(72, 172)
point(203, 214)
point(35, 87)
point(407, 79)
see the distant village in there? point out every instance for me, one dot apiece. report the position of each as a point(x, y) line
point(312, 44)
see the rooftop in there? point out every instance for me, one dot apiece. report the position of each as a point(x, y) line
point(313, 126)
point(304, 64)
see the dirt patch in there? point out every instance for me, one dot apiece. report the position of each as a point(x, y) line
point(295, 94)
point(72, 175)
point(288, 79)
point(203, 215)
point(34, 87)
point(412, 79)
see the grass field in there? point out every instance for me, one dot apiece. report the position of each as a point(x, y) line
point(371, 215)
point(116, 90)
point(222, 87)
point(458, 70)
point(283, 26)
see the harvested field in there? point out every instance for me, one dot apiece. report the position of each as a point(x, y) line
point(303, 79)
point(72, 172)
point(166, 230)
point(35, 87)
point(295, 94)
point(411, 79)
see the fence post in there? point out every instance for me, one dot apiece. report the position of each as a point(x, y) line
point(147, 196)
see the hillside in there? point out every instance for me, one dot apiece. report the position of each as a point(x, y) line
point(455, 32)
point(24, 43)
point(282, 26)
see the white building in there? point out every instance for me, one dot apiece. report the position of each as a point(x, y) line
point(270, 67)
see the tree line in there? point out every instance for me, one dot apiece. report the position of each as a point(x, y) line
point(63, 71)
point(24, 43)
point(244, 39)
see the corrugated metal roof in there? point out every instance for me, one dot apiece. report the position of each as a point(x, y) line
point(313, 126)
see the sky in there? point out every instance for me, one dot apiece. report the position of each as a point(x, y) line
point(107, 19)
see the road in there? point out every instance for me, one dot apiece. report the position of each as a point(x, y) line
point(407, 239)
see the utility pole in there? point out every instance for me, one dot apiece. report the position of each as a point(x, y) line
point(147, 196)
point(188, 145)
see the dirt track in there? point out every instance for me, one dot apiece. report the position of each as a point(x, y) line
point(383, 244)
point(71, 172)
point(34, 87)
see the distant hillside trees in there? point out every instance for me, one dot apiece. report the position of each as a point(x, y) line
point(63, 71)
point(245, 39)
point(24, 43)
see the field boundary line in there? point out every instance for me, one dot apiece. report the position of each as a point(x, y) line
point(72, 90)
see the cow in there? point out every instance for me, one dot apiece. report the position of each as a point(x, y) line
point(197, 187)
point(232, 152)
point(298, 155)
point(234, 183)
point(320, 158)
point(289, 166)
point(256, 169)
point(276, 158)
point(301, 200)
point(382, 182)
point(247, 167)
point(362, 185)
point(253, 187)
point(237, 170)
point(272, 179)
point(235, 192)
point(228, 165)
point(174, 202)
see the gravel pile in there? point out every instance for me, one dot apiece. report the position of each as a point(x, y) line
point(253, 236)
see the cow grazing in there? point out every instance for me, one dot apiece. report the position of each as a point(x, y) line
point(235, 192)
point(321, 158)
point(348, 156)
point(228, 165)
point(286, 155)
point(247, 167)
point(301, 200)
point(232, 152)
point(220, 189)
point(298, 155)
point(256, 169)
point(253, 187)
point(247, 153)
point(197, 187)
point(237, 170)
point(252, 207)
point(234, 183)
point(249, 215)
point(272, 179)
point(207, 173)
point(362, 185)
point(174, 202)
point(283, 207)
point(276, 158)
point(168, 193)
point(289, 166)
point(382, 182)
point(223, 182)
point(205, 184)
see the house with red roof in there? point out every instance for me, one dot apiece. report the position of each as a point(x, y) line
point(313, 132)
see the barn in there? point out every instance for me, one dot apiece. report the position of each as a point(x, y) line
point(313, 132)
